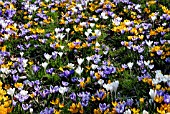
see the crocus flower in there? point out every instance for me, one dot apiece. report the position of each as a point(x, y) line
point(152, 93)
point(130, 64)
point(167, 98)
point(47, 111)
point(149, 43)
point(107, 87)
point(47, 56)
point(80, 60)
point(54, 89)
point(84, 102)
point(54, 54)
point(62, 90)
point(114, 86)
point(26, 106)
point(145, 112)
point(44, 65)
point(11, 91)
point(100, 82)
point(103, 106)
point(15, 78)
point(127, 112)
point(100, 94)
point(74, 79)
point(79, 70)
point(129, 102)
point(21, 53)
point(50, 71)
point(65, 83)
point(60, 54)
point(120, 108)
point(71, 65)
point(35, 68)
point(73, 96)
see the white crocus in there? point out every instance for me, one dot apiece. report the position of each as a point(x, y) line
point(155, 81)
point(60, 54)
point(57, 30)
point(11, 91)
point(31, 110)
point(68, 30)
point(104, 16)
point(127, 112)
point(97, 32)
point(5, 70)
point(107, 87)
point(100, 82)
point(154, 18)
point(44, 65)
point(92, 25)
point(25, 62)
point(152, 93)
point(130, 65)
point(88, 32)
point(145, 112)
point(80, 60)
point(21, 54)
point(93, 66)
point(62, 47)
point(114, 85)
point(149, 43)
point(96, 19)
point(47, 56)
point(23, 92)
point(151, 66)
point(147, 62)
point(60, 36)
point(71, 65)
point(97, 44)
point(62, 90)
point(88, 59)
point(79, 70)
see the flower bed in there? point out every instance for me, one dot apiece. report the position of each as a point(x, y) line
point(85, 56)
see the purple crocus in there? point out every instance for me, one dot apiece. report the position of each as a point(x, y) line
point(35, 68)
point(15, 78)
point(54, 89)
point(27, 45)
point(73, 96)
point(120, 108)
point(47, 111)
point(160, 92)
point(103, 106)
point(108, 70)
point(65, 83)
point(26, 106)
point(84, 102)
point(129, 102)
point(47, 35)
point(31, 83)
point(159, 52)
point(167, 98)
point(74, 79)
point(44, 93)
point(167, 60)
point(66, 73)
point(21, 98)
point(100, 94)
point(50, 71)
